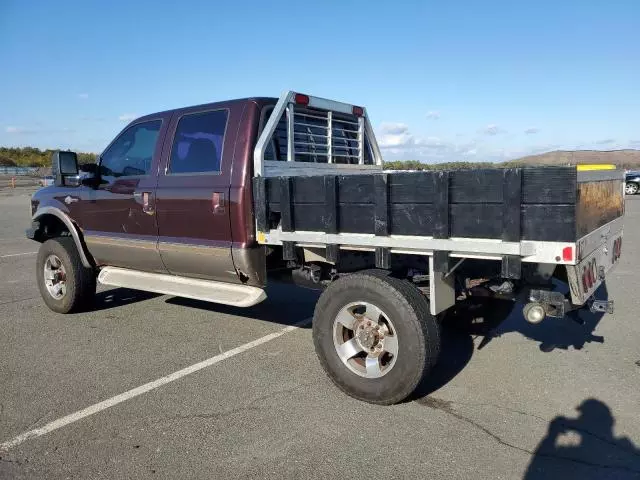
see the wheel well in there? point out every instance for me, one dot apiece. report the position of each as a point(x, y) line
point(50, 226)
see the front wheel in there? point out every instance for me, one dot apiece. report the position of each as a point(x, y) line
point(375, 337)
point(65, 284)
point(631, 188)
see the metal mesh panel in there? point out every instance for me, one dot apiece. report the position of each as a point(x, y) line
point(320, 136)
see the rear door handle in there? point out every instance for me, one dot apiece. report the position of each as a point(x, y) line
point(218, 203)
point(146, 200)
point(147, 203)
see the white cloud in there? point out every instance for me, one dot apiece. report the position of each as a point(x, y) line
point(83, 96)
point(433, 114)
point(394, 135)
point(127, 117)
point(492, 129)
point(430, 143)
point(394, 128)
point(18, 130)
point(399, 143)
point(29, 131)
point(531, 131)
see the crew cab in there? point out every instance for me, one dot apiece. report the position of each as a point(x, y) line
point(212, 202)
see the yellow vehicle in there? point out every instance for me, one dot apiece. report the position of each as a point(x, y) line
point(595, 166)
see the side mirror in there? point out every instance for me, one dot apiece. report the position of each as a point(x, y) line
point(64, 166)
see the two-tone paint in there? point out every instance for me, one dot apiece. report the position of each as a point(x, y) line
point(193, 225)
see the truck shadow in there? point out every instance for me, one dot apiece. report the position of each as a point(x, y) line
point(493, 319)
point(576, 330)
point(584, 447)
point(456, 350)
point(117, 297)
point(285, 305)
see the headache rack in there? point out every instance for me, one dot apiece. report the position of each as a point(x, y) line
point(310, 135)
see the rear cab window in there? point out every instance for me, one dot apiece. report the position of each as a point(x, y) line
point(198, 143)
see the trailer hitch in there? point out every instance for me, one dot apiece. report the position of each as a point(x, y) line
point(601, 306)
point(544, 303)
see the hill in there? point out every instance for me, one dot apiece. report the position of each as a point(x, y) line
point(621, 158)
point(629, 159)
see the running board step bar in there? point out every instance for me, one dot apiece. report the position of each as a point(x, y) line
point(206, 290)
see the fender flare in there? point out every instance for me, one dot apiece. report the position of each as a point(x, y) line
point(70, 225)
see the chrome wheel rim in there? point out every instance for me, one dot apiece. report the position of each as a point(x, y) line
point(365, 339)
point(631, 188)
point(55, 277)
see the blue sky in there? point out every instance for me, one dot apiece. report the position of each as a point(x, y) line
point(442, 80)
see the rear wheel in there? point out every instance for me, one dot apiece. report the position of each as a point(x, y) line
point(375, 337)
point(65, 284)
point(631, 188)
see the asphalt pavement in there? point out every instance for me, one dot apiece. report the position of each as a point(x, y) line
point(92, 395)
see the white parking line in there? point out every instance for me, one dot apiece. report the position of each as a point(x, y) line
point(147, 387)
point(18, 254)
point(12, 239)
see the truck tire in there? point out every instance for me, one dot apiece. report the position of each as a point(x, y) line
point(65, 284)
point(375, 337)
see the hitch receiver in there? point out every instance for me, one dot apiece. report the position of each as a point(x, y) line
point(601, 306)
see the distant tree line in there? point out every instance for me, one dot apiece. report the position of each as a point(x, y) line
point(417, 165)
point(34, 157)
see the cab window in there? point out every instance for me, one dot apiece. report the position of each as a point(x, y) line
point(132, 152)
point(198, 142)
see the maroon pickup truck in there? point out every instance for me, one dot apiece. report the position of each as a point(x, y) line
point(209, 202)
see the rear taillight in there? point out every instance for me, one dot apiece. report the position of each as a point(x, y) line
point(567, 254)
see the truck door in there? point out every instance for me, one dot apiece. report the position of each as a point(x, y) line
point(193, 195)
point(118, 218)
